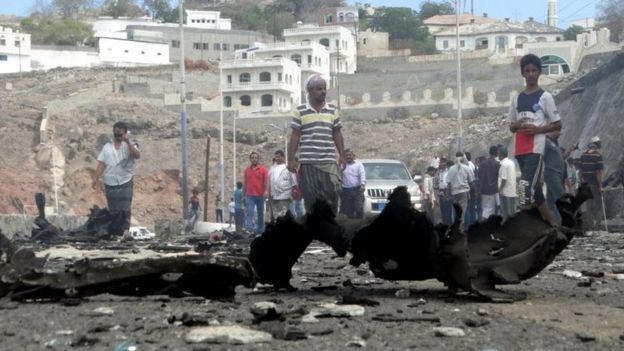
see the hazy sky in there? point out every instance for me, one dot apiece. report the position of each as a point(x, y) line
point(515, 9)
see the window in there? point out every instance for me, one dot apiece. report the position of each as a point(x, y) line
point(142, 52)
point(462, 43)
point(445, 44)
point(3, 42)
point(205, 46)
point(229, 78)
point(217, 46)
point(245, 100)
point(279, 76)
point(267, 100)
point(158, 54)
point(225, 47)
point(482, 43)
point(341, 17)
point(364, 41)
point(324, 42)
point(296, 58)
point(309, 59)
point(175, 43)
point(265, 76)
point(4, 58)
point(520, 41)
point(244, 78)
point(329, 19)
point(337, 44)
point(126, 51)
point(227, 101)
point(197, 46)
point(17, 43)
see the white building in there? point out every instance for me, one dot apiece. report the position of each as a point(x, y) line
point(440, 23)
point(123, 52)
point(207, 19)
point(346, 16)
point(339, 40)
point(312, 58)
point(501, 38)
point(14, 51)
point(108, 27)
point(261, 85)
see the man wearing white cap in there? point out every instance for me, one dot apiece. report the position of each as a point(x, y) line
point(591, 166)
point(316, 133)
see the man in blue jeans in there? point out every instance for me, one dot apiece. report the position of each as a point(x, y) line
point(255, 190)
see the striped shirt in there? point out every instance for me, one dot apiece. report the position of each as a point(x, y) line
point(317, 133)
point(591, 163)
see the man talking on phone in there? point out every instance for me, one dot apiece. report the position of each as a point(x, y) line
point(116, 168)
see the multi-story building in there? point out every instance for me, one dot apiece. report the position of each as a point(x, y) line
point(339, 40)
point(253, 85)
point(207, 19)
point(441, 23)
point(347, 17)
point(312, 58)
point(203, 43)
point(502, 37)
point(14, 51)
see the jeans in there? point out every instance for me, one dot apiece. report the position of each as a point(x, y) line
point(462, 200)
point(297, 209)
point(239, 219)
point(446, 209)
point(531, 164)
point(554, 165)
point(257, 203)
point(219, 215)
point(352, 202)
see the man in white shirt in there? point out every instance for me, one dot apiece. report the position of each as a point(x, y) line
point(444, 196)
point(116, 168)
point(460, 180)
point(353, 187)
point(507, 184)
point(429, 193)
point(281, 184)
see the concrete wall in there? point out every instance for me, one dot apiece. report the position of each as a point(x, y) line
point(13, 225)
point(120, 52)
point(44, 57)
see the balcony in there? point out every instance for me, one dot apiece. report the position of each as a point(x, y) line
point(258, 86)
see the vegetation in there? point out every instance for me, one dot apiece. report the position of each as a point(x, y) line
point(611, 15)
point(572, 32)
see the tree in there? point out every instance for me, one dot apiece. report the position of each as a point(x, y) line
point(405, 28)
point(64, 31)
point(278, 21)
point(572, 32)
point(611, 15)
point(158, 9)
point(121, 8)
point(72, 8)
point(431, 8)
point(246, 14)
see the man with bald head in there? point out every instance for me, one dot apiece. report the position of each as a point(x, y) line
point(316, 134)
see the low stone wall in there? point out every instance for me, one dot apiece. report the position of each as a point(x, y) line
point(13, 225)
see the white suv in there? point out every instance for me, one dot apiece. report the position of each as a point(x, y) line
point(382, 176)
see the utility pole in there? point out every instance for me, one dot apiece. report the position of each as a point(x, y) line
point(206, 177)
point(183, 126)
point(221, 156)
point(460, 131)
point(337, 71)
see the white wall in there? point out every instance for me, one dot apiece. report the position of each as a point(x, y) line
point(122, 52)
point(14, 63)
point(15, 51)
point(44, 59)
point(207, 19)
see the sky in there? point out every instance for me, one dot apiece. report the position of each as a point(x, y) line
point(515, 9)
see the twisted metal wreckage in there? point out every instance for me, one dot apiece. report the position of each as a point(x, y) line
point(399, 244)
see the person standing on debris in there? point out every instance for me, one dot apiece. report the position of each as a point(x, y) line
point(506, 184)
point(429, 193)
point(116, 168)
point(532, 115)
point(281, 184)
point(460, 180)
point(444, 196)
point(488, 183)
point(353, 187)
point(231, 211)
point(239, 211)
point(591, 166)
point(316, 133)
point(255, 188)
point(218, 209)
point(194, 213)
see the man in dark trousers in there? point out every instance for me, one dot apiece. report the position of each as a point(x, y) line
point(316, 134)
point(591, 166)
point(488, 183)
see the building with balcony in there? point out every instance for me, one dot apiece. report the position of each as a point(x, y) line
point(347, 17)
point(339, 40)
point(501, 38)
point(207, 19)
point(312, 58)
point(14, 51)
point(271, 85)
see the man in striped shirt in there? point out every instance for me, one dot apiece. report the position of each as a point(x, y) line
point(591, 166)
point(316, 133)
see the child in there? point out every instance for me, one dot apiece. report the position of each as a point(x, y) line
point(231, 210)
point(532, 115)
point(239, 214)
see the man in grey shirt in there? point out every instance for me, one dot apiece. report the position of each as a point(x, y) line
point(116, 168)
point(460, 180)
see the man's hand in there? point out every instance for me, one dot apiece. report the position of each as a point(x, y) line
point(292, 166)
point(266, 194)
point(342, 162)
point(529, 129)
point(362, 188)
point(95, 184)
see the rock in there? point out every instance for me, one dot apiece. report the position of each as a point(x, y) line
point(572, 274)
point(9, 305)
point(265, 311)
point(102, 311)
point(592, 274)
point(475, 322)
point(64, 332)
point(448, 331)
point(227, 335)
point(482, 312)
point(84, 340)
point(419, 302)
point(617, 268)
point(356, 342)
point(403, 293)
point(333, 310)
point(585, 337)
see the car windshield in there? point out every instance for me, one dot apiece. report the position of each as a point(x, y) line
point(386, 171)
